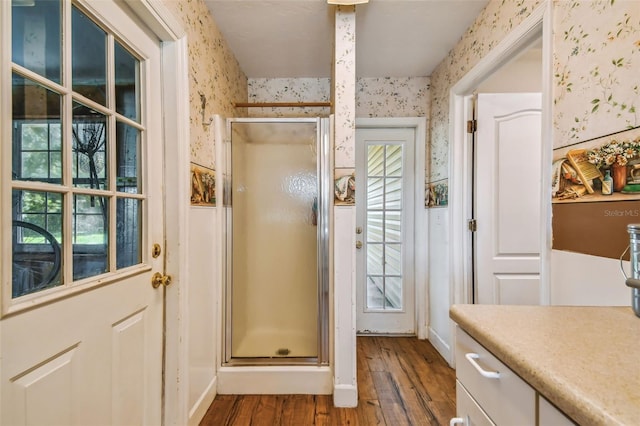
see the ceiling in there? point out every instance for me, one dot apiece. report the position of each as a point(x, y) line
point(294, 38)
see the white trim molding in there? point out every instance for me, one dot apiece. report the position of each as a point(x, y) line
point(275, 380)
point(175, 89)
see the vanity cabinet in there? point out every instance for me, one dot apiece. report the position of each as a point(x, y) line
point(501, 395)
point(490, 393)
point(550, 415)
point(551, 352)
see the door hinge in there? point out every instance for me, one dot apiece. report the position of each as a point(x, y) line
point(472, 126)
point(473, 225)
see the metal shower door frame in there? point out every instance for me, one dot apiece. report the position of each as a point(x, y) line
point(324, 166)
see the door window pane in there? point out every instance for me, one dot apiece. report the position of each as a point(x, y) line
point(393, 193)
point(36, 132)
point(393, 259)
point(375, 293)
point(393, 160)
point(36, 241)
point(88, 56)
point(128, 232)
point(374, 259)
point(393, 293)
point(375, 160)
point(90, 236)
point(127, 93)
point(89, 134)
point(375, 193)
point(127, 150)
point(384, 226)
point(393, 226)
point(35, 36)
point(375, 230)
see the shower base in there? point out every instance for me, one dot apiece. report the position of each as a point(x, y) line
point(276, 343)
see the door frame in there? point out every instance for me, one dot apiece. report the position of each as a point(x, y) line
point(175, 86)
point(419, 124)
point(537, 25)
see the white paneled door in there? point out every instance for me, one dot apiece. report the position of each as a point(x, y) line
point(82, 176)
point(385, 230)
point(508, 198)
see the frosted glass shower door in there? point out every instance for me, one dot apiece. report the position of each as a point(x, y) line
point(274, 284)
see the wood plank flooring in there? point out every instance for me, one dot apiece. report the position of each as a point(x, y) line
point(401, 381)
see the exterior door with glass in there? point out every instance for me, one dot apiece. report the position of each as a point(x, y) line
point(82, 205)
point(384, 217)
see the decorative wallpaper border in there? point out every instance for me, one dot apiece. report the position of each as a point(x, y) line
point(437, 193)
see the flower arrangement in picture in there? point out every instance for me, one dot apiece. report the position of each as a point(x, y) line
point(614, 152)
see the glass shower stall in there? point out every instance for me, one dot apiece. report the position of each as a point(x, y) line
point(278, 190)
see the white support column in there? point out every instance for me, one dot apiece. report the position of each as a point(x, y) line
point(345, 389)
point(345, 392)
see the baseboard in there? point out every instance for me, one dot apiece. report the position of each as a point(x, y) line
point(441, 345)
point(199, 409)
point(345, 396)
point(274, 380)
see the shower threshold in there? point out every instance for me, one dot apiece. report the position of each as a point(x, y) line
point(271, 361)
point(275, 379)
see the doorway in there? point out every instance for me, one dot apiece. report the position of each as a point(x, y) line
point(389, 226)
point(460, 274)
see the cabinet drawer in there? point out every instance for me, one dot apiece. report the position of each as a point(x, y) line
point(506, 398)
point(550, 415)
point(468, 409)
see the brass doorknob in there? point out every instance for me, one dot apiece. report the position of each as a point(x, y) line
point(358, 244)
point(159, 279)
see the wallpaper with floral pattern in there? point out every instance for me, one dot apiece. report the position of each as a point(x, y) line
point(495, 21)
point(345, 86)
point(392, 97)
point(216, 80)
point(375, 97)
point(596, 48)
point(289, 90)
point(596, 68)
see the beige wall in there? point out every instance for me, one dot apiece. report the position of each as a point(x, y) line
point(520, 76)
point(214, 73)
point(375, 97)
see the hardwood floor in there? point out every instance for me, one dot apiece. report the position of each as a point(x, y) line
point(401, 381)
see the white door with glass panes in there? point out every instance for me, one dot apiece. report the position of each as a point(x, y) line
point(384, 230)
point(82, 205)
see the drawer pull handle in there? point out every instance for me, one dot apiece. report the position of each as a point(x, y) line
point(471, 357)
point(457, 421)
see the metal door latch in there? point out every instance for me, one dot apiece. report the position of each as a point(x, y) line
point(159, 279)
